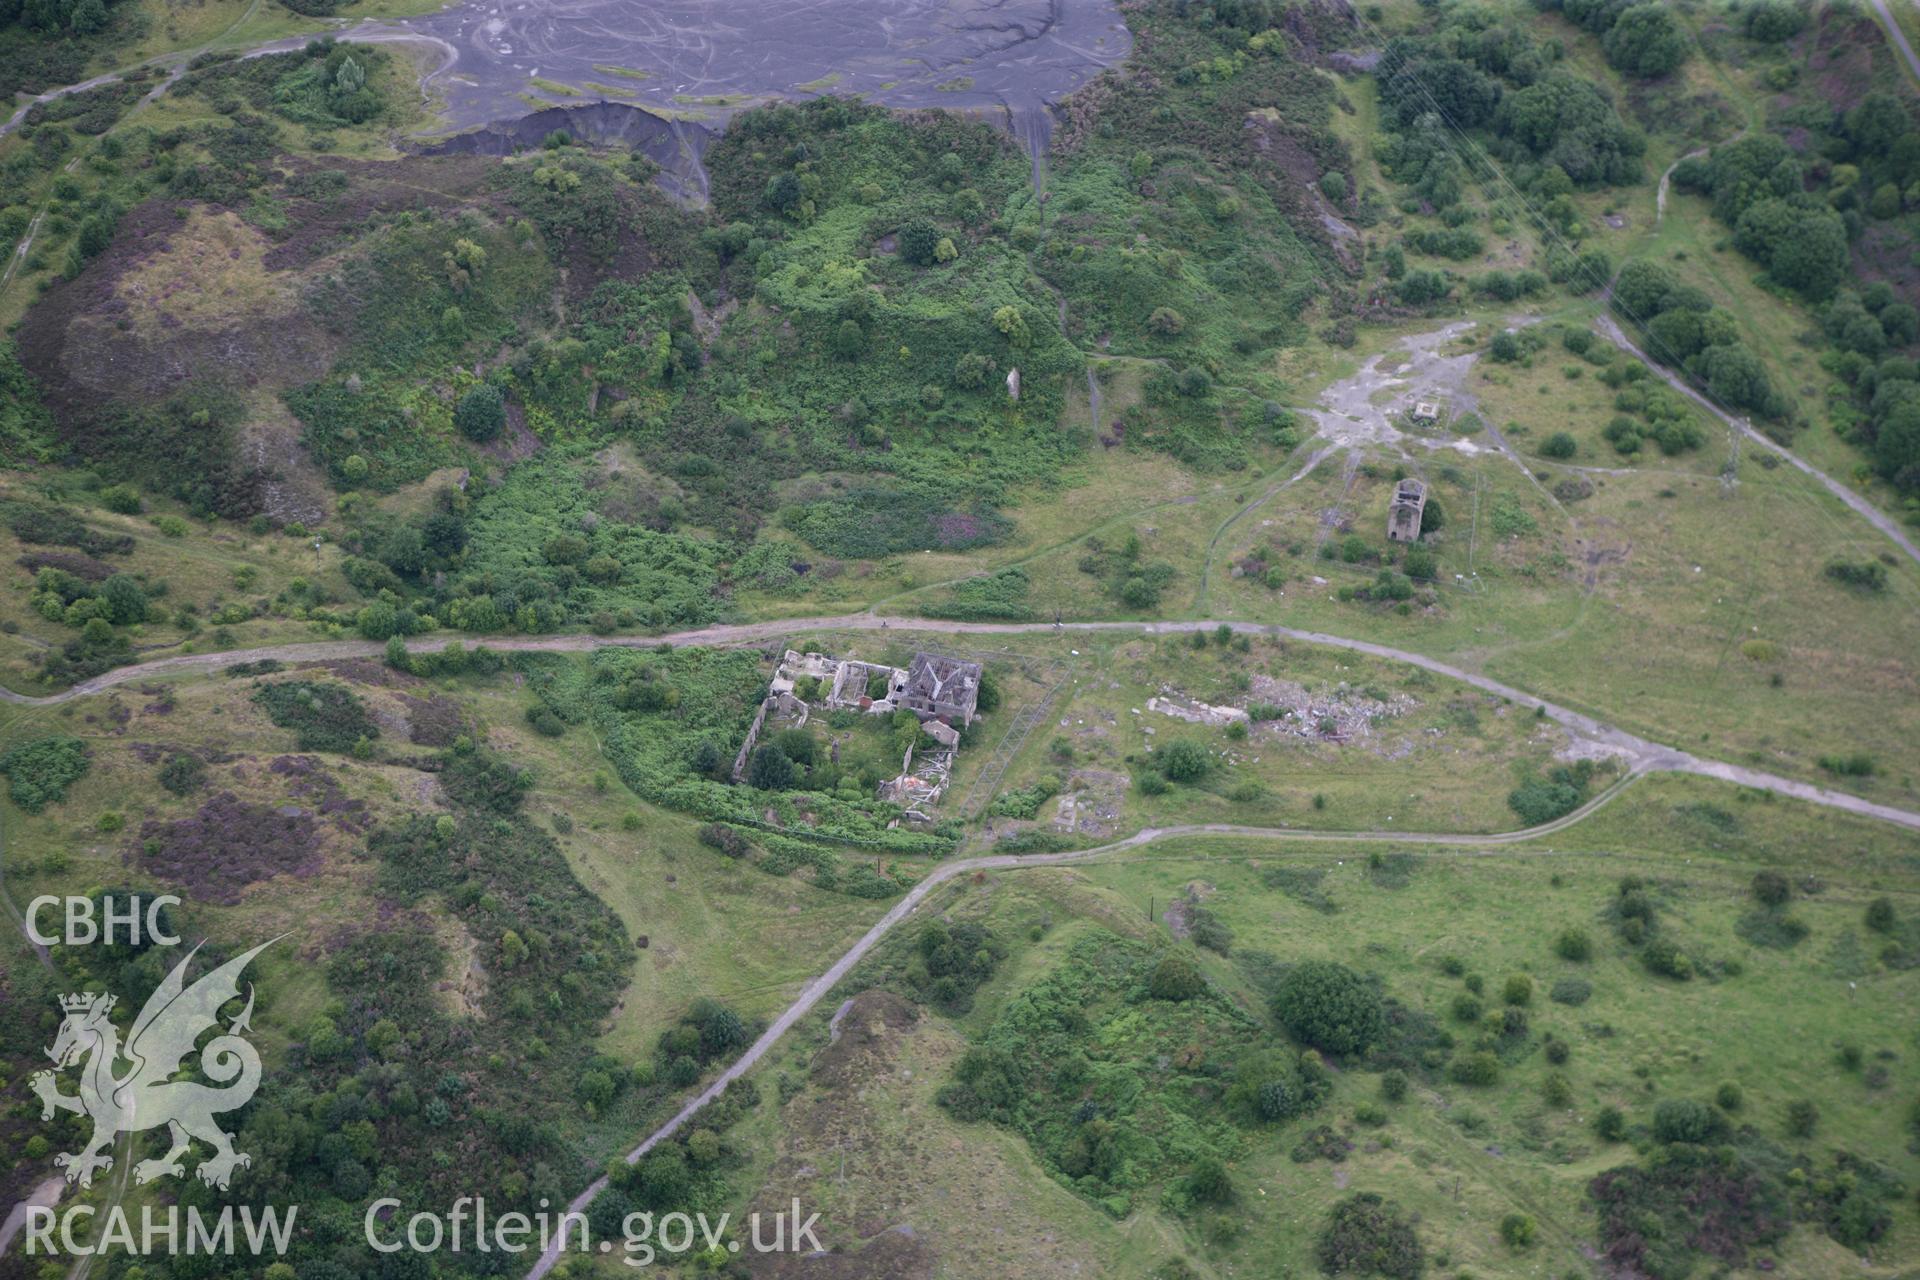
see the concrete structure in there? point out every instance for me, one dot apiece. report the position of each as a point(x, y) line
point(1403, 516)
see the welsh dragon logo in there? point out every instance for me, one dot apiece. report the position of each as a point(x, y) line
point(145, 1096)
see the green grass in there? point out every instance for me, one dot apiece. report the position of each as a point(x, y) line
point(1459, 1157)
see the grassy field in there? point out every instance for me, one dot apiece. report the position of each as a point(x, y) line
point(1459, 1158)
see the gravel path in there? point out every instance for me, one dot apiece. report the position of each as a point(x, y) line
point(1641, 754)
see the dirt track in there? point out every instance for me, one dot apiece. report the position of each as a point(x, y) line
point(1640, 753)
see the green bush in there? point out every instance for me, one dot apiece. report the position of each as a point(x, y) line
point(1687, 1120)
point(1573, 944)
point(324, 716)
point(480, 413)
point(1184, 760)
point(1329, 1006)
point(183, 774)
point(1518, 1231)
point(40, 771)
point(1176, 978)
point(1479, 1069)
point(1367, 1235)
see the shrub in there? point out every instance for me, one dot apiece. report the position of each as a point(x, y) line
point(1687, 1120)
point(121, 498)
point(1802, 1118)
point(1540, 800)
point(1771, 888)
point(1610, 1124)
point(1573, 944)
point(1559, 445)
point(480, 413)
point(1864, 575)
point(1664, 957)
point(1208, 1183)
point(1519, 990)
point(728, 840)
point(1184, 760)
point(1479, 1069)
point(183, 774)
point(1518, 1230)
point(1728, 1097)
point(1571, 993)
point(1393, 1085)
point(1370, 1236)
point(1330, 1007)
point(39, 772)
point(1467, 1009)
point(323, 716)
point(1176, 978)
point(1880, 916)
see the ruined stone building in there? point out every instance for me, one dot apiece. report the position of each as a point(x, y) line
point(941, 688)
point(1403, 516)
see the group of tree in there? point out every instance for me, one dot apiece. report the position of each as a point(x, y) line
point(1702, 343)
point(1883, 414)
point(1640, 37)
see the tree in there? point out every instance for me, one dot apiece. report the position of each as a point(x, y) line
point(1877, 124)
point(89, 17)
point(847, 339)
point(1803, 247)
point(1646, 40)
point(1773, 21)
point(1641, 288)
point(770, 769)
point(1735, 377)
point(1330, 1007)
point(124, 600)
point(919, 242)
point(784, 191)
point(1012, 325)
point(480, 413)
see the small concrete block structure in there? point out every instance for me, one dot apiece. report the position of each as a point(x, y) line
point(1403, 516)
point(1426, 412)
